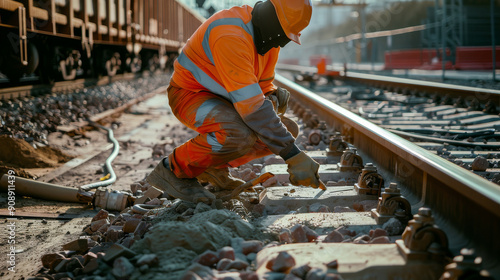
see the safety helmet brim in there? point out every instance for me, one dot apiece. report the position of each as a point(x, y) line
point(294, 37)
point(293, 15)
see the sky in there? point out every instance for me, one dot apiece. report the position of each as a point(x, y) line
point(323, 16)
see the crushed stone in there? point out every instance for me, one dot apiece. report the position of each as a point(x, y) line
point(172, 265)
point(177, 243)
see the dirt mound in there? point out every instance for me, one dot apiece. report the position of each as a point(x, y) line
point(19, 153)
point(18, 171)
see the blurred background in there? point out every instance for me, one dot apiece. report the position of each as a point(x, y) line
point(392, 34)
point(65, 40)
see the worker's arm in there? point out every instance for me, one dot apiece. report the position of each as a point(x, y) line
point(234, 60)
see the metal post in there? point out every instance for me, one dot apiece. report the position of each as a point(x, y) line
point(436, 25)
point(363, 31)
point(389, 46)
point(461, 22)
point(493, 47)
point(374, 44)
point(443, 35)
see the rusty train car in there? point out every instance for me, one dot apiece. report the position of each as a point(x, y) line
point(65, 39)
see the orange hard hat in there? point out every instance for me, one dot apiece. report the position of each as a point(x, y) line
point(294, 16)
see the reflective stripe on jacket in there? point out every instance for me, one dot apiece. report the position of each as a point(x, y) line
point(221, 58)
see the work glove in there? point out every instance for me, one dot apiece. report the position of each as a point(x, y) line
point(303, 171)
point(280, 99)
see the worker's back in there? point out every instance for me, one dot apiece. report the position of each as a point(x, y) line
point(221, 57)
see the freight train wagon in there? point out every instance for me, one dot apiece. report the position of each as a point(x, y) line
point(65, 39)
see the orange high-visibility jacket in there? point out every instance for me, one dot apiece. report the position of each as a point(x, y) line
point(221, 58)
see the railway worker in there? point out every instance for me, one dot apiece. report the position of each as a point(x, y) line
point(222, 87)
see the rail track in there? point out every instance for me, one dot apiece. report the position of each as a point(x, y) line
point(462, 200)
point(392, 210)
point(459, 123)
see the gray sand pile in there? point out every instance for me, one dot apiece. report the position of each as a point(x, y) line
point(177, 243)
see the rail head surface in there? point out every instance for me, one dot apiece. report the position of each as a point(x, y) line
point(482, 94)
point(476, 188)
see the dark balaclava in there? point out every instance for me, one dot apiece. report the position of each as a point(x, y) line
point(268, 33)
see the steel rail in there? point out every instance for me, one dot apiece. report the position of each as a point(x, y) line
point(482, 95)
point(465, 200)
point(490, 145)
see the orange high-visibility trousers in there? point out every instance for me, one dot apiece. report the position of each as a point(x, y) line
point(224, 139)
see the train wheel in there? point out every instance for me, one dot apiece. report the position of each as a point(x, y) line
point(134, 64)
point(71, 66)
point(154, 63)
point(13, 67)
point(113, 64)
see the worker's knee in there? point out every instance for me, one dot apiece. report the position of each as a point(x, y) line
point(240, 138)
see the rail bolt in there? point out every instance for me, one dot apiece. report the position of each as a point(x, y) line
point(459, 103)
point(351, 161)
point(466, 265)
point(422, 239)
point(337, 146)
point(307, 115)
point(296, 107)
point(392, 205)
point(312, 121)
point(369, 181)
point(315, 137)
point(474, 105)
point(300, 111)
point(447, 100)
point(322, 126)
point(490, 108)
point(348, 132)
